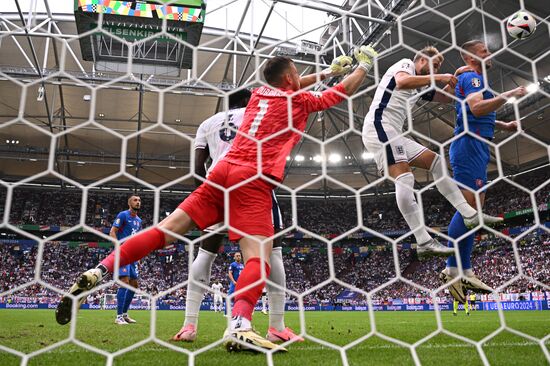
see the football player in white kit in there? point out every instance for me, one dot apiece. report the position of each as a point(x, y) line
point(218, 298)
point(382, 131)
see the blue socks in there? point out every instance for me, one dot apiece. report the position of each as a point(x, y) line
point(128, 300)
point(465, 246)
point(120, 300)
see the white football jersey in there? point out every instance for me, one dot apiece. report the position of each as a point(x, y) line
point(389, 105)
point(215, 134)
point(217, 288)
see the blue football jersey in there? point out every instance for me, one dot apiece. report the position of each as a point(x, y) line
point(468, 83)
point(235, 268)
point(127, 224)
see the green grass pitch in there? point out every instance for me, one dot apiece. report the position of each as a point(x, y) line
point(30, 330)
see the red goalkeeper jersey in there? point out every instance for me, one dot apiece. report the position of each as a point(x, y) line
point(266, 115)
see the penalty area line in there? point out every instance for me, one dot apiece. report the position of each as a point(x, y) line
point(321, 348)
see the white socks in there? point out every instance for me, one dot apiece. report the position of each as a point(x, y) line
point(450, 190)
point(453, 272)
point(200, 272)
point(404, 195)
point(276, 296)
point(240, 323)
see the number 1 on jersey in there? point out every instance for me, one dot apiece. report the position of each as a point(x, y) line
point(263, 104)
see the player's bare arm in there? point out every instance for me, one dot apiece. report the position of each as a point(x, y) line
point(448, 90)
point(231, 278)
point(511, 126)
point(113, 231)
point(201, 155)
point(481, 107)
point(404, 80)
point(462, 69)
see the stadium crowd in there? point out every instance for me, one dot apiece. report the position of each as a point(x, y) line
point(306, 267)
point(306, 260)
point(331, 216)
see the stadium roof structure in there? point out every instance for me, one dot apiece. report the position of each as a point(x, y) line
point(36, 43)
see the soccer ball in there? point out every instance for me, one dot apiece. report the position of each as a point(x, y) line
point(521, 25)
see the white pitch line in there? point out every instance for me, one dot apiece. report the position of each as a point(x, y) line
point(321, 348)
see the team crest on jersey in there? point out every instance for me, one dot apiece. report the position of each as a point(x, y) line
point(476, 83)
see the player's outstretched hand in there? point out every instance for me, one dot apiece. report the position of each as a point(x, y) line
point(341, 65)
point(452, 83)
point(365, 56)
point(519, 92)
point(446, 79)
point(511, 126)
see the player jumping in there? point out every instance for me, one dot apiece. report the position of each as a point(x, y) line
point(267, 120)
point(382, 131)
point(213, 140)
point(470, 157)
point(126, 223)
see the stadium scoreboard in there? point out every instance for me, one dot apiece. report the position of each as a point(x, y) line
point(139, 22)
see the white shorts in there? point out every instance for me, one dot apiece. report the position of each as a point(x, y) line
point(399, 148)
point(218, 299)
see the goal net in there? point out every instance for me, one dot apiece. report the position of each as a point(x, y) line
point(101, 99)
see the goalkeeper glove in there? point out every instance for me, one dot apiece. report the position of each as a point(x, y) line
point(365, 56)
point(340, 65)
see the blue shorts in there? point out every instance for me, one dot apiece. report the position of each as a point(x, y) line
point(129, 270)
point(231, 289)
point(469, 160)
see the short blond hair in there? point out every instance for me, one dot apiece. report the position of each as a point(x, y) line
point(427, 53)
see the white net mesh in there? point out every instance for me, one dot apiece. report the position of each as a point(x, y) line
point(328, 174)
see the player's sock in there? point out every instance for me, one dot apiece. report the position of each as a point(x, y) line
point(120, 297)
point(245, 301)
point(448, 188)
point(128, 300)
point(453, 271)
point(465, 246)
point(406, 202)
point(103, 269)
point(239, 322)
point(135, 248)
point(455, 306)
point(264, 303)
point(200, 271)
point(276, 296)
